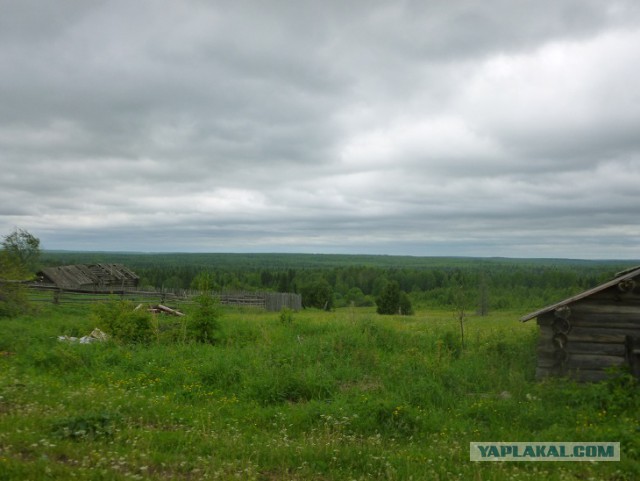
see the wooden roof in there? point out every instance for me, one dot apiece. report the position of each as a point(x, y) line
point(94, 275)
point(620, 276)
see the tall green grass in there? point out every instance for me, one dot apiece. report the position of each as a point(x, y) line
point(340, 395)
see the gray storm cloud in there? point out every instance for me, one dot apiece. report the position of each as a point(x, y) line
point(427, 128)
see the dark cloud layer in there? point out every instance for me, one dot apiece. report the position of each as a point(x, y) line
point(429, 128)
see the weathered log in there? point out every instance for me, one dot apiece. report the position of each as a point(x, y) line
point(547, 361)
point(589, 375)
point(559, 340)
point(599, 348)
point(561, 356)
point(169, 310)
point(632, 354)
point(613, 321)
point(615, 294)
point(562, 312)
point(544, 372)
point(591, 334)
point(595, 334)
point(545, 319)
point(627, 285)
point(580, 375)
point(583, 309)
point(561, 325)
point(592, 361)
point(602, 348)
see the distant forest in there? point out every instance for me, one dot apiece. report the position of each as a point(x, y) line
point(343, 280)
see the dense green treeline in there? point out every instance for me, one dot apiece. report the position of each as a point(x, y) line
point(338, 280)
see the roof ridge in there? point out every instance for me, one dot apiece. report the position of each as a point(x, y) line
point(620, 276)
point(627, 271)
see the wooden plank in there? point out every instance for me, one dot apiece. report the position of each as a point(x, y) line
point(168, 310)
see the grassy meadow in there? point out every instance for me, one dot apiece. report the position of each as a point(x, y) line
point(314, 395)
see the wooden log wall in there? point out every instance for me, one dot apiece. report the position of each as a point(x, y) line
point(586, 338)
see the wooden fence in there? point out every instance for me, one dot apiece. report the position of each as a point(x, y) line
point(270, 301)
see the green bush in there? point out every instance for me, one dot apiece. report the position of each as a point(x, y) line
point(317, 293)
point(393, 301)
point(19, 252)
point(286, 316)
point(203, 324)
point(13, 300)
point(123, 322)
point(404, 305)
point(89, 426)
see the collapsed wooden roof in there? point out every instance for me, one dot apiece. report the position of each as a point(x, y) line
point(81, 276)
point(625, 275)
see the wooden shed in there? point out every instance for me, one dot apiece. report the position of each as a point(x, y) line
point(93, 277)
point(584, 336)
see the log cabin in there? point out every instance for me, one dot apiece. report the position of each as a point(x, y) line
point(589, 336)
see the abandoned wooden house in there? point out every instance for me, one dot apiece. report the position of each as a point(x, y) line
point(587, 335)
point(94, 277)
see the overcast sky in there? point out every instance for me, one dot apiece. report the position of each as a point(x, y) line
point(434, 127)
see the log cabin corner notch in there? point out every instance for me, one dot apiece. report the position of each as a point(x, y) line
point(584, 335)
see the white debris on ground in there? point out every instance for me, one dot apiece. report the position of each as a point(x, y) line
point(96, 336)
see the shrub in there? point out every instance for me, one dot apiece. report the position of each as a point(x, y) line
point(393, 301)
point(89, 426)
point(317, 293)
point(18, 255)
point(404, 305)
point(450, 343)
point(123, 322)
point(203, 324)
point(286, 316)
point(13, 300)
point(356, 298)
